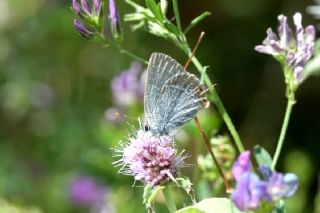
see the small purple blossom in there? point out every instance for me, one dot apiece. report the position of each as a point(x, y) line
point(278, 185)
point(241, 165)
point(111, 115)
point(127, 87)
point(77, 8)
point(250, 189)
point(114, 17)
point(97, 4)
point(248, 192)
point(86, 6)
point(84, 9)
point(150, 159)
point(82, 29)
point(89, 19)
point(295, 49)
point(86, 191)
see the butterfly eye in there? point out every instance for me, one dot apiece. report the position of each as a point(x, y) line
point(146, 127)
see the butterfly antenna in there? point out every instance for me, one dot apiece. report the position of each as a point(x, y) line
point(194, 50)
point(126, 116)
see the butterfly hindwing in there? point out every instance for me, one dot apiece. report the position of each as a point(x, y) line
point(181, 97)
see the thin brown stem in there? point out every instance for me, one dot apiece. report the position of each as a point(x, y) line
point(196, 120)
point(225, 181)
point(194, 50)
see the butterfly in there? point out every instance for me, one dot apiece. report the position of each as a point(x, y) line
point(172, 96)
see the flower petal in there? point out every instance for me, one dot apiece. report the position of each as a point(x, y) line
point(248, 192)
point(241, 165)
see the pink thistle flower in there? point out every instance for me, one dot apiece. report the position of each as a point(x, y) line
point(150, 159)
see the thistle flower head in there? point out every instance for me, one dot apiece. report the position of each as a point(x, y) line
point(150, 159)
point(292, 49)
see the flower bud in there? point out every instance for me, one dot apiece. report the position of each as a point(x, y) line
point(82, 29)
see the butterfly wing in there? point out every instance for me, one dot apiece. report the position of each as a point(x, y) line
point(181, 97)
point(161, 67)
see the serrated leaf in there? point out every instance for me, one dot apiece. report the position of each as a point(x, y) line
point(262, 156)
point(212, 205)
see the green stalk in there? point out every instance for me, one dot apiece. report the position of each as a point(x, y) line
point(216, 100)
point(285, 123)
point(132, 55)
point(176, 13)
point(169, 200)
point(121, 49)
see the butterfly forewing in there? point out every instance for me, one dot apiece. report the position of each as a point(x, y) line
point(172, 96)
point(161, 67)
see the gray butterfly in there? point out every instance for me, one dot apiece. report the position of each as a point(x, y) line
point(172, 95)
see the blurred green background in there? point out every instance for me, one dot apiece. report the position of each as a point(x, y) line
point(55, 88)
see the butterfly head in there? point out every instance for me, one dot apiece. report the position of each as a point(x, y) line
point(146, 127)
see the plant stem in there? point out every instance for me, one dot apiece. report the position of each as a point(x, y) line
point(121, 49)
point(176, 13)
point(217, 101)
point(285, 123)
point(169, 200)
point(130, 54)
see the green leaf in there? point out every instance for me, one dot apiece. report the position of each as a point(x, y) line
point(184, 183)
point(149, 194)
point(196, 20)
point(190, 209)
point(155, 9)
point(262, 156)
point(211, 205)
point(279, 208)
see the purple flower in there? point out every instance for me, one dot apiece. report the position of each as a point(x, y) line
point(127, 87)
point(248, 192)
point(241, 165)
point(293, 49)
point(278, 185)
point(150, 159)
point(112, 116)
point(250, 189)
point(89, 21)
point(114, 17)
point(82, 29)
point(86, 191)
point(83, 8)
